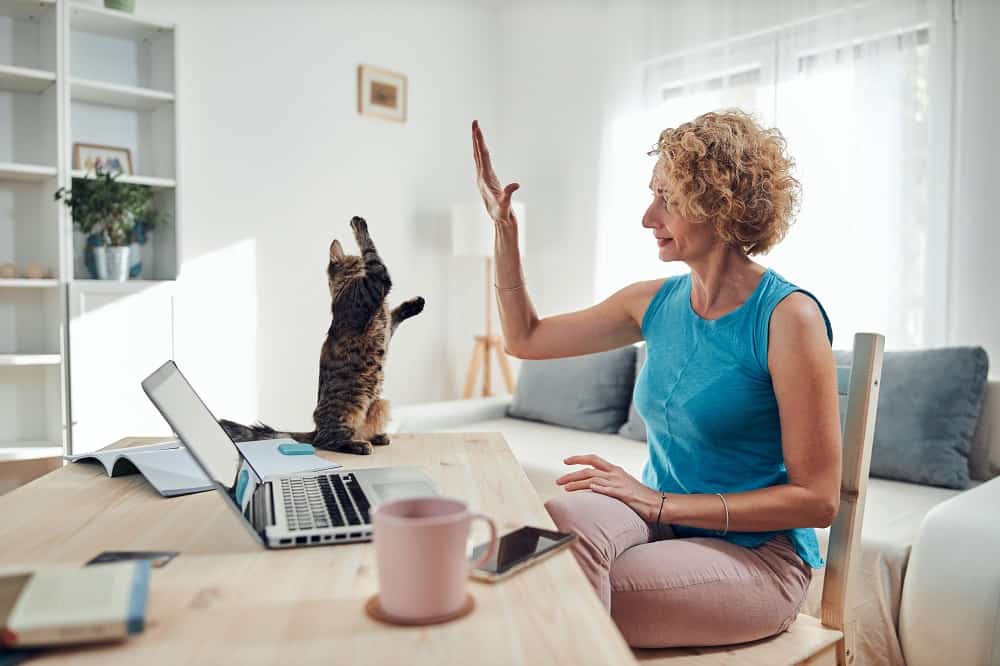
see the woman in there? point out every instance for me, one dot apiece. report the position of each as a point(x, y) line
point(715, 544)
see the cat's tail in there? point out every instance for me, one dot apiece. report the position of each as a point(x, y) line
point(241, 433)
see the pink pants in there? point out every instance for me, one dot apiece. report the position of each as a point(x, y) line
point(665, 591)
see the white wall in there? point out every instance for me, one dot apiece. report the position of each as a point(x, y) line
point(553, 62)
point(275, 160)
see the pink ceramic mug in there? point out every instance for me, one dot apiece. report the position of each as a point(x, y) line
point(420, 555)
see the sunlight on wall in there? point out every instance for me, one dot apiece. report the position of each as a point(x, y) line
point(117, 339)
point(216, 329)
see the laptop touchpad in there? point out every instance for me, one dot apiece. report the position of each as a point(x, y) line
point(395, 490)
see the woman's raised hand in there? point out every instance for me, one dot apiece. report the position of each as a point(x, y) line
point(495, 198)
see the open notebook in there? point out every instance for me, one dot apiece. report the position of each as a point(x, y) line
point(172, 471)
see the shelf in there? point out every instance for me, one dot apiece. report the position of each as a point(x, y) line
point(28, 283)
point(151, 181)
point(114, 286)
point(112, 94)
point(25, 9)
point(30, 173)
point(116, 24)
point(29, 359)
point(22, 79)
point(29, 451)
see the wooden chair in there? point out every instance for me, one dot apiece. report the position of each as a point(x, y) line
point(831, 640)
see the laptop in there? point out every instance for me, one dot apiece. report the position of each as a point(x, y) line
point(281, 511)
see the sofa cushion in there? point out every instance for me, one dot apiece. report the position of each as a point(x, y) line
point(589, 392)
point(929, 406)
point(635, 427)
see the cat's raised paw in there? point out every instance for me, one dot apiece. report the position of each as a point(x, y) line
point(358, 225)
point(414, 306)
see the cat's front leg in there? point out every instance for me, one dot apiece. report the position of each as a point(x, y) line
point(404, 311)
point(376, 273)
point(335, 435)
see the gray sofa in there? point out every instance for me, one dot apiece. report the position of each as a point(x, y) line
point(927, 588)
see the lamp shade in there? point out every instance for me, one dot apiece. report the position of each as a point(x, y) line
point(472, 229)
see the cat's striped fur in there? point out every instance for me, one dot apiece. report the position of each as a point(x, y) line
point(350, 414)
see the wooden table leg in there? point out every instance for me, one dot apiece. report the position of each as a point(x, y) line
point(478, 353)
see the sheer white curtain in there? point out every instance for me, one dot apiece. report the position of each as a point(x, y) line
point(857, 93)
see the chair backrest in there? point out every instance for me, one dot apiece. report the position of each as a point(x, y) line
point(860, 383)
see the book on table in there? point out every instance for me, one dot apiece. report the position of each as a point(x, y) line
point(61, 604)
point(167, 466)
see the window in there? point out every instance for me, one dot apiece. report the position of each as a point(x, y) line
point(850, 90)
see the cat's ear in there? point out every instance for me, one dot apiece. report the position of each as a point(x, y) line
point(336, 252)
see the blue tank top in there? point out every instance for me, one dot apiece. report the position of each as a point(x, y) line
point(706, 396)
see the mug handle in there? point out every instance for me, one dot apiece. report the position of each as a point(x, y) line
point(493, 539)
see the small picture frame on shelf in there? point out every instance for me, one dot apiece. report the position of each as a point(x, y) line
point(381, 93)
point(112, 159)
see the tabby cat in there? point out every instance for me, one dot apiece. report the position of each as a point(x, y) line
point(350, 416)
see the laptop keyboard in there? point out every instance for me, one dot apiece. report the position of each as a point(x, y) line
point(330, 500)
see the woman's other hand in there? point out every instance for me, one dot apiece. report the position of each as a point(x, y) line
point(607, 479)
point(495, 197)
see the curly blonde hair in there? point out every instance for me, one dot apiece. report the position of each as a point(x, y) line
point(724, 168)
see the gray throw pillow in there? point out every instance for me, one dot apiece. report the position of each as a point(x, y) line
point(589, 392)
point(928, 407)
point(635, 427)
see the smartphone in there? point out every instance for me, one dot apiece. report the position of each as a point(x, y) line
point(517, 550)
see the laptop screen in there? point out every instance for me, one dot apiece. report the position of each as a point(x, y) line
point(194, 424)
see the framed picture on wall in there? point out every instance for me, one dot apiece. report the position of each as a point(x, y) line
point(381, 93)
point(90, 156)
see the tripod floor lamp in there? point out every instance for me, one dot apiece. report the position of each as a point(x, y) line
point(472, 235)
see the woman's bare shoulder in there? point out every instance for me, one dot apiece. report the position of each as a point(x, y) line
point(637, 296)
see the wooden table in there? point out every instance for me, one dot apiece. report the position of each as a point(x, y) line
point(225, 600)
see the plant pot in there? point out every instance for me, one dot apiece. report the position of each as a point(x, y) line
point(111, 262)
point(120, 5)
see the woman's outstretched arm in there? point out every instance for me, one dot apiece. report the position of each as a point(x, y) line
point(613, 323)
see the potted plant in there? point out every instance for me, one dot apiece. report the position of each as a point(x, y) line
point(105, 210)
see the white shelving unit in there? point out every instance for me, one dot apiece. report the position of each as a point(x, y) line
point(32, 311)
point(73, 348)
